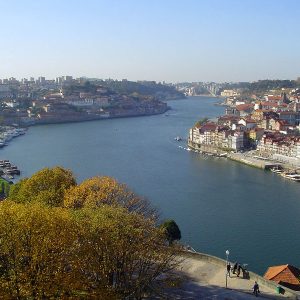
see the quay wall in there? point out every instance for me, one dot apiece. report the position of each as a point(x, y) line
point(248, 161)
point(206, 148)
point(238, 157)
point(290, 294)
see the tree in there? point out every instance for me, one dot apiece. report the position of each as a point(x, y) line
point(97, 191)
point(171, 230)
point(200, 122)
point(122, 251)
point(99, 245)
point(46, 186)
point(37, 251)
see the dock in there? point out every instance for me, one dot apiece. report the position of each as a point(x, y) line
point(8, 170)
point(254, 161)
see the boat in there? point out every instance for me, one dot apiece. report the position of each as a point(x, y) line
point(296, 178)
point(178, 138)
point(276, 170)
point(292, 175)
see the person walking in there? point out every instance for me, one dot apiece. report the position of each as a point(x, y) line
point(228, 269)
point(256, 289)
point(238, 270)
point(234, 267)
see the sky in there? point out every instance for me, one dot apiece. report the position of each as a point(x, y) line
point(161, 40)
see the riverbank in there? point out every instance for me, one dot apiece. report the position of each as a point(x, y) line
point(94, 117)
point(250, 158)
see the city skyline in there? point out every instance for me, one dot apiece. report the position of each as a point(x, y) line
point(162, 41)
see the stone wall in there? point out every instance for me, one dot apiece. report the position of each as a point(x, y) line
point(253, 276)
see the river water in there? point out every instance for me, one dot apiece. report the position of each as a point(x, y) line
point(218, 204)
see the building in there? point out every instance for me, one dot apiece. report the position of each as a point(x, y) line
point(285, 275)
point(236, 141)
point(281, 147)
point(245, 109)
point(87, 102)
point(291, 117)
point(256, 134)
point(248, 123)
point(232, 111)
point(215, 136)
point(229, 93)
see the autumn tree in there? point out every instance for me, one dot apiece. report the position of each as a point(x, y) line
point(97, 191)
point(123, 251)
point(95, 240)
point(47, 186)
point(37, 251)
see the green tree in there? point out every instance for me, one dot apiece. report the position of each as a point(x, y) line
point(171, 230)
point(200, 122)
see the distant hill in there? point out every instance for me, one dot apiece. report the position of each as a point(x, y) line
point(144, 88)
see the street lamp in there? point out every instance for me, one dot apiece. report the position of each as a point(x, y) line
point(227, 254)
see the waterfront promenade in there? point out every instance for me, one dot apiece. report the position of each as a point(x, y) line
point(203, 277)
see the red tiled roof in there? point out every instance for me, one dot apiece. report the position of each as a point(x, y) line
point(282, 122)
point(268, 103)
point(286, 275)
point(244, 106)
point(274, 271)
point(209, 127)
point(274, 98)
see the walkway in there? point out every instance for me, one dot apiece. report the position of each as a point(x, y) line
point(206, 280)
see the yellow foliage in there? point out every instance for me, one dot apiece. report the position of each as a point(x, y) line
point(87, 241)
point(36, 250)
point(46, 186)
point(97, 191)
point(124, 250)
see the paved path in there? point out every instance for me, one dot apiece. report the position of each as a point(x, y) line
point(206, 280)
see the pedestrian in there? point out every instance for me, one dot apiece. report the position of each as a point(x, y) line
point(228, 269)
point(239, 270)
point(234, 267)
point(256, 289)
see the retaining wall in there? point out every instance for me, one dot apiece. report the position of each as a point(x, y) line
point(253, 276)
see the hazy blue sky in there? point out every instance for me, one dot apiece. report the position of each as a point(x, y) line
point(171, 40)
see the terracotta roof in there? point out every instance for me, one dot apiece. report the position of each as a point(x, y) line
point(283, 122)
point(274, 97)
point(270, 104)
point(244, 106)
point(208, 127)
point(274, 271)
point(285, 275)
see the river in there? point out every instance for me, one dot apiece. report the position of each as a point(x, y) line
point(218, 204)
